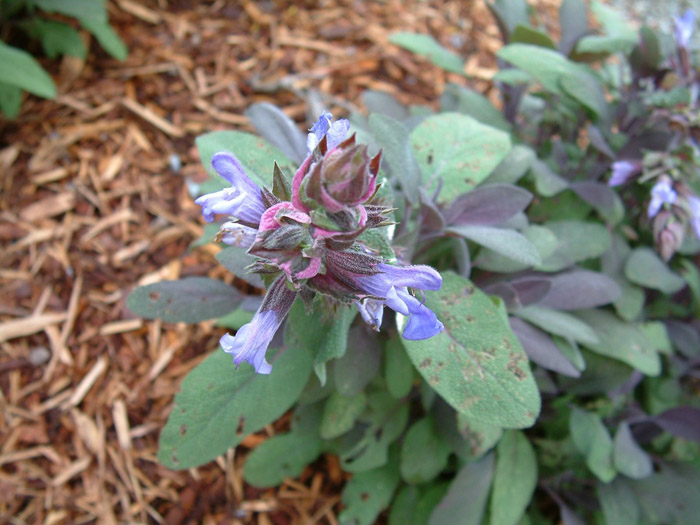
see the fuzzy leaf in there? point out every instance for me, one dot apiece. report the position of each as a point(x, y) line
point(477, 364)
point(19, 69)
point(594, 442)
point(462, 100)
point(559, 323)
point(279, 457)
point(190, 300)
point(578, 241)
point(580, 289)
point(427, 46)
point(629, 457)
point(106, 36)
point(619, 502)
point(459, 149)
point(508, 243)
point(340, 414)
point(87, 9)
point(514, 480)
point(541, 350)
point(416, 466)
point(398, 369)
point(218, 406)
point(488, 205)
point(235, 260)
point(278, 129)
point(645, 268)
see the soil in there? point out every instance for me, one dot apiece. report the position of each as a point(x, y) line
point(94, 201)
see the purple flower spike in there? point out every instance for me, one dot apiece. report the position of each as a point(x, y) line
point(695, 214)
point(683, 28)
point(624, 171)
point(243, 200)
point(251, 341)
point(335, 132)
point(662, 193)
point(392, 285)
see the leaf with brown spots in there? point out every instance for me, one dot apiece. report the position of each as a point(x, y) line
point(485, 373)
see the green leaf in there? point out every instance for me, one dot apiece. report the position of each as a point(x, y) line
point(513, 166)
point(386, 420)
point(509, 14)
point(514, 480)
point(629, 457)
point(398, 369)
point(360, 364)
point(547, 182)
point(508, 243)
point(340, 414)
point(557, 74)
point(412, 506)
point(255, 155)
point(614, 22)
point(235, 319)
point(19, 69)
point(645, 268)
point(618, 502)
point(605, 45)
point(631, 302)
point(189, 300)
point(218, 406)
point(466, 498)
point(56, 38)
point(393, 137)
point(279, 457)
point(328, 339)
point(368, 493)
point(105, 35)
point(525, 34)
point(578, 241)
point(540, 237)
point(416, 465)
point(235, 260)
point(10, 100)
point(622, 341)
point(463, 100)
point(671, 495)
point(427, 46)
point(559, 323)
point(593, 440)
point(88, 9)
point(458, 149)
point(476, 364)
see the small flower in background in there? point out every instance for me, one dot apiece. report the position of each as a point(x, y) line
point(624, 171)
point(668, 234)
point(683, 28)
point(694, 203)
point(309, 240)
point(662, 193)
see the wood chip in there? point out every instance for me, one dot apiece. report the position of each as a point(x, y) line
point(121, 424)
point(118, 327)
point(88, 382)
point(29, 325)
point(150, 116)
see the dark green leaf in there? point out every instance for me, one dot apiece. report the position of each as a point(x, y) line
point(398, 369)
point(525, 34)
point(218, 406)
point(235, 260)
point(56, 38)
point(671, 495)
point(279, 457)
point(106, 36)
point(509, 14)
point(10, 100)
point(353, 371)
point(427, 46)
point(416, 465)
point(340, 414)
point(619, 502)
point(189, 300)
point(463, 100)
point(19, 69)
point(477, 365)
point(514, 479)
point(466, 498)
point(88, 9)
point(368, 493)
point(578, 241)
point(593, 440)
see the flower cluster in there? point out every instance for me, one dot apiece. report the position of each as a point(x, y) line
point(305, 235)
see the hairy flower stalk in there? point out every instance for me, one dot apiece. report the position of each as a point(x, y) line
point(307, 237)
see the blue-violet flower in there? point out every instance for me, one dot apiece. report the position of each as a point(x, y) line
point(662, 193)
point(683, 28)
point(308, 240)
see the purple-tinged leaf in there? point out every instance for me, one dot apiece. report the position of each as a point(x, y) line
point(685, 337)
point(530, 290)
point(628, 456)
point(190, 300)
point(568, 516)
point(433, 219)
point(580, 289)
point(278, 129)
point(618, 502)
point(671, 495)
point(602, 198)
point(506, 292)
point(598, 141)
point(683, 422)
point(488, 205)
point(540, 348)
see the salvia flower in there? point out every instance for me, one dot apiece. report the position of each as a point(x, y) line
point(683, 28)
point(662, 193)
point(305, 236)
point(624, 171)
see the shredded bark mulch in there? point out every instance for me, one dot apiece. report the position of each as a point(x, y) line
point(94, 201)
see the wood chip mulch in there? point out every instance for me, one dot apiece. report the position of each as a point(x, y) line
point(94, 201)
